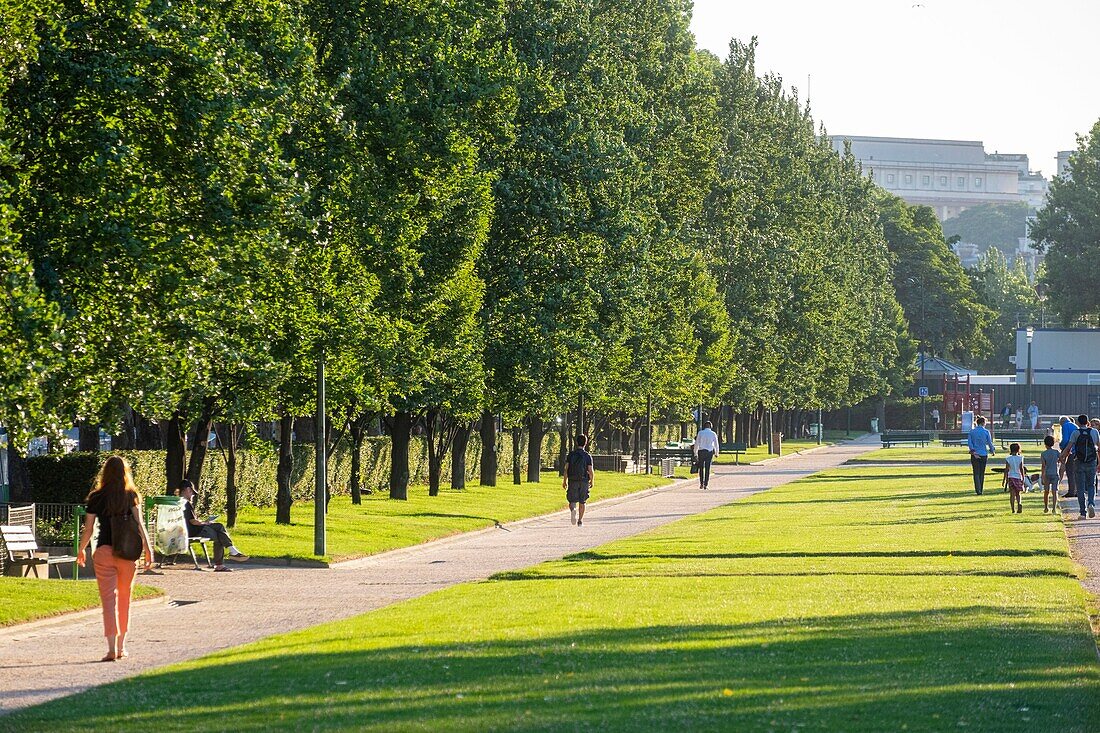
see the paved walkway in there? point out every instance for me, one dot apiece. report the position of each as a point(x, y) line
point(207, 612)
point(1084, 543)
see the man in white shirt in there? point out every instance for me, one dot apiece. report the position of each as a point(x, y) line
point(705, 448)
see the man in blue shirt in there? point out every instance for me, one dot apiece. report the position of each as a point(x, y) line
point(1083, 446)
point(1069, 466)
point(981, 447)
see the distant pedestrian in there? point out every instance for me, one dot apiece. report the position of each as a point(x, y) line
point(209, 529)
point(1069, 466)
point(1033, 415)
point(1049, 475)
point(935, 418)
point(1006, 415)
point(114, 496)
point(578, 479)
point(1015, 471)
point(705, 448)
point(1019, 417)
point(980, 443)
point(1083, 445)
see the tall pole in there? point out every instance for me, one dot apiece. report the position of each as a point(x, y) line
point(1029, 377)
point(923, 413)
point(648, 433)
point(820, 427)
point(320, 474)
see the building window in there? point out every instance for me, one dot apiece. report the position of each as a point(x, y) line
point(908, 180)
point(889, 177)
point(962, 182)
point(977, 182)
point(926, 180)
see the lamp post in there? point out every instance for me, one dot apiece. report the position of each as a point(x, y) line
point(1029, 334)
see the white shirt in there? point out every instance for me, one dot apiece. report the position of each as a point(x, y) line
point(707, 439)
point(1015, 464)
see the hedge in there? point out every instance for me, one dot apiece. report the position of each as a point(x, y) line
point(67, 478)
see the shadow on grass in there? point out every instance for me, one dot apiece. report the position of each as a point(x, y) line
point(974, 667)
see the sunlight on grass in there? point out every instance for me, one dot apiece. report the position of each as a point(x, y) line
point(28, 599)
point(856, 600)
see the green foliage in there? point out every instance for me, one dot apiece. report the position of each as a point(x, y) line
point(991, 225)
point(1008, 292)
point(1067, 229)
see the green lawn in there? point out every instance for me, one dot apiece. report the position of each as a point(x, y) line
point(28, 599)
point(379, 524)
point(938, 453)
point(852, 601)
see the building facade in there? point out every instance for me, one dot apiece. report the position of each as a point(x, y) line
point(1060, 356)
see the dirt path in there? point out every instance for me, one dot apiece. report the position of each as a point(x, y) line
point(207, 612)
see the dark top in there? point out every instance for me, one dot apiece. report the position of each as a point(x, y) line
point(193, 530)
point(98, 506)
point(577, 464)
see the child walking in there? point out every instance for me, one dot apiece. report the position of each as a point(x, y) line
point(1014, 477)
point(1049, 472)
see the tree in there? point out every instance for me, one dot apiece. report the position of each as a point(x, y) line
point(1067, 230)
point(1007, 291)
point(991, 225)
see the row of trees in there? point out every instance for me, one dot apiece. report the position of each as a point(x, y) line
point(464, 209)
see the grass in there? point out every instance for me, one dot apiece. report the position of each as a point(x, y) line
point(937, 453)
point(855, 600)
point(30, 599)
point(379, 524)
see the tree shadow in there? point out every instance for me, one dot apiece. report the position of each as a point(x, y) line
point(924, 670)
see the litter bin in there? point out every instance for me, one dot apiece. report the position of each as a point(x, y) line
point(815, 429)
point(874, 424)
point(776, 446)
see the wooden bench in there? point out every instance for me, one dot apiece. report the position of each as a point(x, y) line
point(22, 549)
point(952, 438)
point(894, 437)
point(680, 454)
point(736, 449)
point(1004, 437)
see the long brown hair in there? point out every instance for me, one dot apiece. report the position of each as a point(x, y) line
point(115, 483)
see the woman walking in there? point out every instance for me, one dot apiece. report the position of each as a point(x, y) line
point(113, 495)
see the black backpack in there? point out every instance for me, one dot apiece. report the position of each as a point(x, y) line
point(1084, 449)
point(577, 469)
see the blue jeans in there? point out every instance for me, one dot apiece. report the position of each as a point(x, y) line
point(1086, 484)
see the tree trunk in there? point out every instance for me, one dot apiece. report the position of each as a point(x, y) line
point(175, 452)
point(458, 455)
point(284, 473)
point(358, 430)
point(488, 431)
point(564, 441)
point(535, 432)
point(400, 437)
point(200, 440)
point(433, 427)
point(87, 437)
point(231, 431)
point(19, 480)
point(517, 454)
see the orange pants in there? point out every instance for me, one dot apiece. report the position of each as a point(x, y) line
point(115, 578)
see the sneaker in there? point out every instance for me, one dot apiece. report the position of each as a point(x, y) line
point(572, 515)
point(1092, 511)
point(222, 569)
point(1082, 515)
point(579, 522)
point(239, 557)
point(1046, 511)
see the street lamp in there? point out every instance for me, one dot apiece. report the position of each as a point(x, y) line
point(1029, 334)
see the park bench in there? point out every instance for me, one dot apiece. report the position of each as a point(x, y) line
point(736, 449)
point(952, 437)
point(1020, 436)
point(22, 549)
point(894, 437)
point(679, 454)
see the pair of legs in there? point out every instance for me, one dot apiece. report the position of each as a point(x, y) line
point(705, 458)
point(1050, 493)
point(1070, 467)
point(222, 542)
point(115, 578)
point(1015, 486)
point(1086, 487)
point(978, 463)
point(577, 494)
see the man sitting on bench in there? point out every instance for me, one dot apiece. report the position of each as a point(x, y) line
point(209, 529)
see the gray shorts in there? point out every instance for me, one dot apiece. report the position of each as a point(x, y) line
point(577, 493)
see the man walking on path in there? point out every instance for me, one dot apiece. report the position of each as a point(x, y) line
point(981, 447)
point(1082, 447)
point(577, 480)
point(706, 448)
point(1033, 415)
point(1069, 466)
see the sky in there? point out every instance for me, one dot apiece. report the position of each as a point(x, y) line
point(1023, 77)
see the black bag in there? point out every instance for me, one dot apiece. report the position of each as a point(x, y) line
point(1083, 447)
point(126, 537)
point(694, 465)
point(577, 468)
